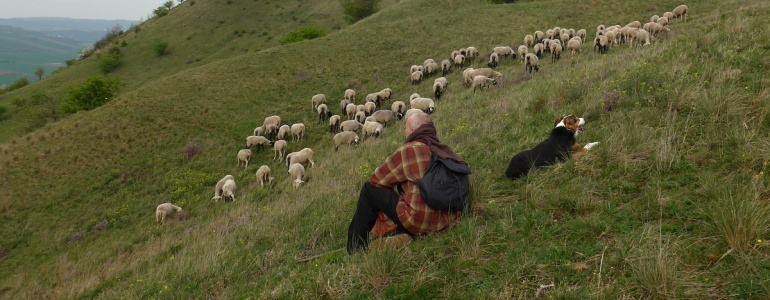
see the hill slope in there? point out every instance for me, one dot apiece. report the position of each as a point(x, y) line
point(671, 204)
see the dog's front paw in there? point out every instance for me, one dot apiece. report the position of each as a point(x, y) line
point(590, 145)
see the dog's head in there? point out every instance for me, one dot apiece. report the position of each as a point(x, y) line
point(570, 122)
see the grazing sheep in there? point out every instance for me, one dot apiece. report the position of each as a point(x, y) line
point(351, 125)
point(601, 43)
point(343, 105)
point(373, 98)
point(282, 132)
point(654, 18)
point(323, 113)
point(538, 50)
point(424, 104)
point(370, 119)
point(571, 32)
point(642, 35)
point(415, 78)
point(296, 174)
point(369, 108)
point(372, 129)
point(503, 51)
point(547, 45)
point(360, 116)
point(165, 210)
point(663, 21)
point(345, 138)
point(469, 73)
point(654, 29)
point(386, 94)
point(549, 34)
point(446, 67)
point(427, 61)
point(634, 24)
point(581, 33)
point(467, 77)
point(385, 116)
point(454, 53)
point(415, 68)
point(350, 95)
point(574, 46)
point(258, 140)
point(522, 51)
point(303, 156)
point(279, 149)
point(529, 40)
point(460, 60)
point(351, 110)
point(600, 28)
point(680, 11)
point(219, 185)
point(565, 38)
point(398, 107)
point(361, 108)
point(669, 15)
point(297, 131)
point(431, 68)
point(532, 63)
point(259, 130)
point(317, 99)
point(228, 190)
point(555, 51)
point(244, 155)
point(471, 53)
point(439, 87)
point(539, 35)
point(263, 175)
point(413, 96)
point(275, 121)
point(481, 81)
point(334, 123)
point(493, 60)
point(612, 37)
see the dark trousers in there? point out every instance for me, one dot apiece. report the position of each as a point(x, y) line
point(371, 200)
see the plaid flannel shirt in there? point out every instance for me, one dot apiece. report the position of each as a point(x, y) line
point(406, 165)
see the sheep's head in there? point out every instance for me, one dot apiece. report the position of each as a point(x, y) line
point(399, 116)
point(355, 141)
point(297, 183)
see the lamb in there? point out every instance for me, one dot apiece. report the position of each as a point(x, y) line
point(532, 63)
point(282, 132)
point(529, 40)
point(446, 66)
point(669, 15)
point(386, 116)
point(360, 116)
point(369, 108)
point(165, 210)
point(303, 156)
point(493, 59)
point(228, 190)
point(219, 185)
point(297, 131)
point(296, 174)
point(350, 95)
point(334, 123)
point(259, 130)
point(372, 129)
point(642, 35)
point(345, 138)
point(279, 149)
point(574, 46)
point(565, 38)
point(680, 11)
point(523, 50)
point(258, 140)
point(555, 51)
point(317, 99)
point(601, 42)
point(244, 155)
point(424, 104)
point(351, 125)
point(351, 110)
point(469, 73)
point(459, 60)
point(398, 107)
point(481, 81)
point(323, 113)
point(439, 87)
point(263, 175)
point(472, 53)
point(416, 77)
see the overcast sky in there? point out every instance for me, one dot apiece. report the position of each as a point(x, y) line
point(80, 9)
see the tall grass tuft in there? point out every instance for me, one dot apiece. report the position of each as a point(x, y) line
point(741, 216)
point(381, 266)
point(656, 272)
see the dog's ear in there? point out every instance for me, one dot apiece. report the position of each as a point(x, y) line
point(558, 121)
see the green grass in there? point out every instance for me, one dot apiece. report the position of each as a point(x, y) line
point(682, 124)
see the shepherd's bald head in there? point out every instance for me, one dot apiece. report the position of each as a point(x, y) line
point(415, 120)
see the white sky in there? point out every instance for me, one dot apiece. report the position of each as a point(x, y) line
point(80, 9)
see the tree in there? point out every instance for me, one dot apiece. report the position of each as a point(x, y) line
point(358, 9)
point(39, 72)
point(169, 4)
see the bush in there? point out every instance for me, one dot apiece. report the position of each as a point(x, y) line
point(70, 62)
point(3, 110)
point(161, 47)
point(19, 83)
point(160, 11)
point(358, 9)
point(110, 36)
point(96, 91)
point(308, 32)
point(109, 61)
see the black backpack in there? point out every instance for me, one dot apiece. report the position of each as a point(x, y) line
point(445, 185)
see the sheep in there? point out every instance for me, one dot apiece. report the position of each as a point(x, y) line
point(317, 99)
point(244, 155)
point(386, 94)
point(398, 107)
point(571, 32)
point(654, 28)
point(413, 96)
point(529, 40)
point(296, 174)
point(547, 45)
point(372, 129)
point(634, 24)
point(493, 60)
point(219, 185)
point(259, 130)
point(463, 51)
point(601, 43)
point(361, 108)
point(275, 121)
point(431, 68)
point(504, 51)
point(439, 87)
point(323, 113)
point(680, 11)
point(351, 125)
point(642, 35)
point(522, 51)
point(228, 190)
point(415, 78)
point(532, 63)
point(669, 15)
point(467, 77)
point(350, 95)
point(345, 138)
point(549, 34)
point(263, 175)
point(297, 131)
point(279, 149)
point(424, 104)
point(538, 50)
point(282, 132)
point(581, 33)
point(481, 71)
point(415, 68)
point(344, 104)
point(565, 38)
point(612, 37)
point(370, 119)
point(600, 28)
point(654, 18)
point(428, 61)
point(360, 116)
point(663, 21)
point(574, 46)
point(385, 116)
point(258, 140)
point(351, 110)
point(369, 108)
point(539, 35)
point(555, 51)
point(303, 156)
point(481, 81)
point(165, 210)
point(446, 67)
point(472, 53)
point(271, 131)
point(459, 60)
point(454, 53)
point(373, 98)
point(334, 124)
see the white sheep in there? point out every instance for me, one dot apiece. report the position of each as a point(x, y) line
point(297, 131)
point(642, 35)
point(334, 123)
point(386, 116)
point(424, 104)
point(275, 121)
point(428, 61)
point(635, 24)
point(680, 11)
point(398, 107)
point(279, 149)
point(317, 99)
point(296, 174)
point(345, 138)
point(282, 132)
point(323, 113)
point(555, 51)
point(372, 129)
point(431, 68)
point(532, 63)
point(415, 68)
point(523, 50)
point(503, 51)
point(446, 66)
point(439, 87)
point(303, 156)
point(582, 34)
point(351, 125)
point(361, 108)
point(228, 190)
point(350, 95)
point(264, 175)
point(669, 15)
point(529, 40)
point(370, 119)
point(413, 96)
point(343, 104)
point(360, 116)
point(459, 60)
point(539, 35)
point(244, 156)
point(416, 77)
point(386, 94)
point(469, 73)
point(165, 210)
point(574, 46)
point(350, 110)
point(219, 185)
point(471, 53)
point(481, 81)
point(259, 130)
point(654, 18)
point(369, 108)
point(565, 38)
point(663, 21)
point(601, 42)
point(538, 49)
point(494, 58)
point(549, 34)
point(258, 140)
point(373, 98)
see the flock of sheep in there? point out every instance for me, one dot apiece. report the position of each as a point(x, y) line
point(369, 118)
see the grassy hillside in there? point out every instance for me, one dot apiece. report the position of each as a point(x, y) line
point(671, 204)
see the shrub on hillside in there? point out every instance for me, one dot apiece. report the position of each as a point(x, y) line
point(109, 37)
point(308, 32)
point(109, 62)
point(19, 83)
point(358, 9)
point(161, 48)
point(3, 110)
point(160, 11)
point(96, 91)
